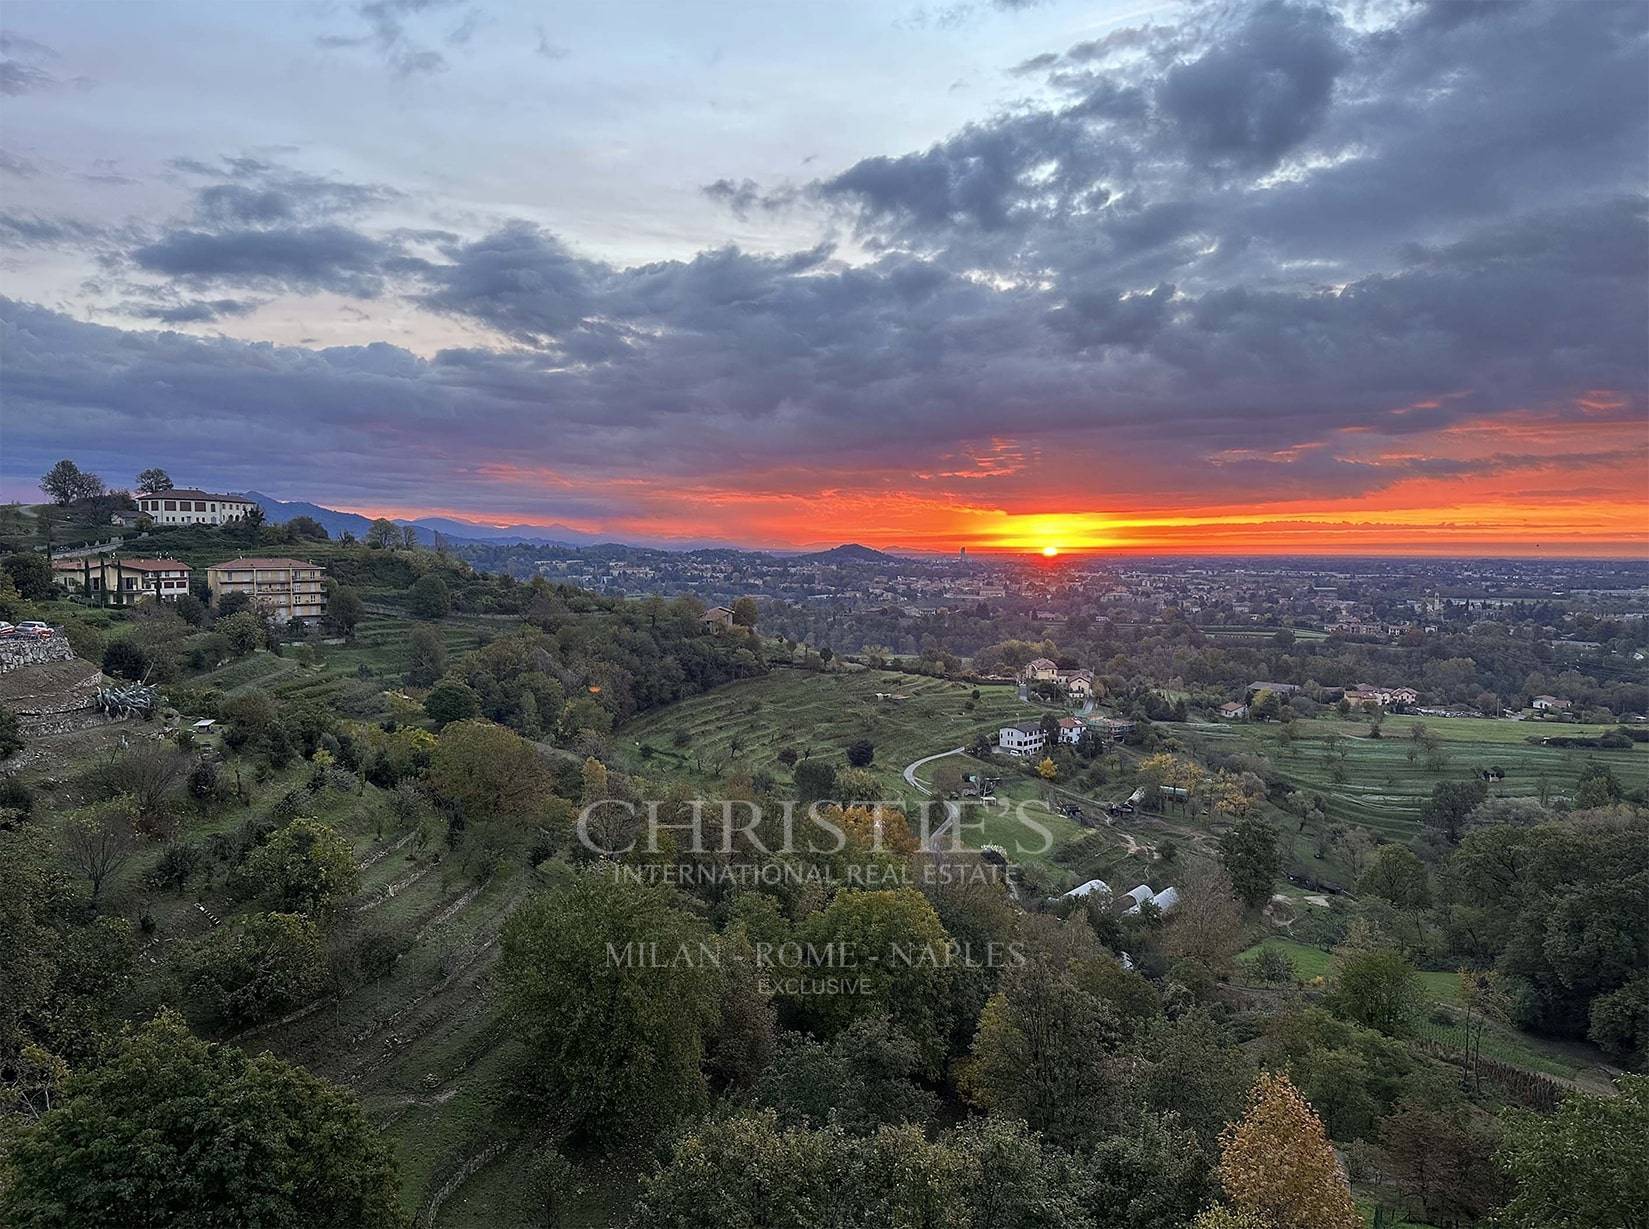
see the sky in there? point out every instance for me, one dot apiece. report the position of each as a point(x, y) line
point(1364, 278)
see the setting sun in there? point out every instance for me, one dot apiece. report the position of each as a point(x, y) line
point(1050, 551)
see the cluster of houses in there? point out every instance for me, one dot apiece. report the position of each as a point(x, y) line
point(1029, 738)
point(1078, 683)
point(1381, 697)
point(284, 589)
point(1131, 901)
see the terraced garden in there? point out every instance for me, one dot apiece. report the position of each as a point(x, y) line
point(815, 714)
point(1384, 788)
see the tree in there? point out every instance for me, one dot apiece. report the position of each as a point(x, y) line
point(1041, 1052)
point(67, 483)
point(1047, 769)
point(1249, 854)
point(613, 991)
point(449, 701)
point(382, 534)
point(307, 527)
point(306, 867)
point(99, 839)
point(864, 1079)
point(1399, 877)
point(267, 965)
point(1206, 925)
point(1451, 802)
point(860, 752)
point(1581, 1167)
point(428, 598)
point(243, 631)
point(428, 657)
point(344, 609)
point(1375, 986)
point(11, 735)
point(124, 658)
point(153, 480)
point(815, 780)
point(1277, 1162)
point(489, 772)
point(1440, 1157)
point(744, 612)
point(31, 575)
point(893, 946)
point(172, 1131)
point(1149, 1175)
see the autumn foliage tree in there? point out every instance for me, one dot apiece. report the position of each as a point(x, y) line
point(1277, 1163)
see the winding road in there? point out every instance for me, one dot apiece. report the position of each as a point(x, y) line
point(951, 810)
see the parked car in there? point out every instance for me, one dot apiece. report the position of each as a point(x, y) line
point(33, 627)
point(6, 629)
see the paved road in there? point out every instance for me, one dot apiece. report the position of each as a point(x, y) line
point(910, 769)
point(951, 809)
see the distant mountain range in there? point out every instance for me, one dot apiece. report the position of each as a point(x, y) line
point(459, 533)
point(456, 532)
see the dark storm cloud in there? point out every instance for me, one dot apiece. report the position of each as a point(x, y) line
point(300, 258)
point(1260, 93)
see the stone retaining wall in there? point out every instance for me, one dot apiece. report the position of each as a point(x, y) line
point(19, 651)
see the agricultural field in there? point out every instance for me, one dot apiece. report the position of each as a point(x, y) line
point(749, 722)
point(1440, 992)
point(1387, 779)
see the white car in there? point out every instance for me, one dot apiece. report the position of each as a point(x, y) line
point(33, 627)
point(6, 629)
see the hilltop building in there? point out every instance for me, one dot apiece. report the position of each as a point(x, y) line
point(192, 507)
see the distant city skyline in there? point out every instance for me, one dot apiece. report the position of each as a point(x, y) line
point(1147, 277)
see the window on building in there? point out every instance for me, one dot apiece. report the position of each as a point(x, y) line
point(171, 505)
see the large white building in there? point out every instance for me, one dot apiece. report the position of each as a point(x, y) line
point(1022, 738)
point(191, 507)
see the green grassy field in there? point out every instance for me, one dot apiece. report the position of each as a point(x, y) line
point(1441, 988)
point(1384, 790)
point(746, 724)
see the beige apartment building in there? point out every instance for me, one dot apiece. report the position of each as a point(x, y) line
point(191, 507)
point(281, 588)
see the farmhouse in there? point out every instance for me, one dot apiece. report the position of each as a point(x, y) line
point(1114, 729)
point(1550, 704)
point(121, 582)
point(1040, 670)
point(1077, 682)
point(719, 616)
point(1022, 738)
point(191, 507)
point(1070, 730)
point(1233, 711)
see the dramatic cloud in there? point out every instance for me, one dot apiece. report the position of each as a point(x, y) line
point(1281, 256)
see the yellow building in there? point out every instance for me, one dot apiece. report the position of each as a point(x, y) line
point(121, 582)
point(281, 588)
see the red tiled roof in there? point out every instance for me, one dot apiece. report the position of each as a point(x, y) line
point(152, 565)
point(256, 563)
point(191, 493)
